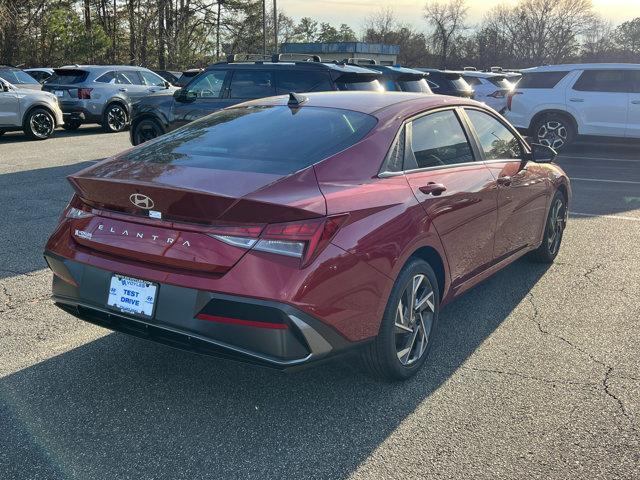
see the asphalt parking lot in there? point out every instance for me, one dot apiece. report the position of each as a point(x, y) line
point(534, 374)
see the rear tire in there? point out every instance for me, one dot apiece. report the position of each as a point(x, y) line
point(405, 335)
point(115, 118)
point(145, 130)
point(554, 130)
point(71, 125)
point(39, 124)
point(553, 231)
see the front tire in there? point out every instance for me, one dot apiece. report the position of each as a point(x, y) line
point(145, 130)
point(553, 231)
point(39, 124)
point(554, 130)
point(408, 324)
point(115, 118)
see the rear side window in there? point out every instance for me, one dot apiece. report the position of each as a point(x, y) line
point(541, 79)
point(634, 81)
point(67, 77)
point(264, 139)
point(109, 77)
point(438, 139)
point(302, 81)
point(496, 140)
point(601, 81)
point(251, 84)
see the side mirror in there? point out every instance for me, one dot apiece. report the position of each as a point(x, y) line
point(182, 95)
point(5, 87)
point(167, 85)
point(542, 153)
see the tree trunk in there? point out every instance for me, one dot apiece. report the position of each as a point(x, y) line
point(132, 32)
point(162, 61)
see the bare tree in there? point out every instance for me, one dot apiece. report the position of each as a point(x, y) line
point(447, 20)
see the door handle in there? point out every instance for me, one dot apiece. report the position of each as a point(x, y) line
point(433, 188)
point(635, 102)
point(504, 181)
point(579, 100)
point(122, 89)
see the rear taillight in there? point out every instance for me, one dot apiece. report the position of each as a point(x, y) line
point(303, 239)
point(84, 93)
point(77, 209)
point(510, 96)
point(497, 94)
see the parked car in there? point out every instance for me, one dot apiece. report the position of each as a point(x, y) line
point(41, 74)
point(185, 77)
point(446, 82)
point(402, 79)
point(170, 76)
point(288, 229)
point(490, 88)
point(102, 94)
point(228, 83)
point(556, 103)
point(35, 112)
point(19, 78)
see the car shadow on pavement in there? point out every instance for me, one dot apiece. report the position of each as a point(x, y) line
point(19, 137)
point(120, 407)
point(32, 201)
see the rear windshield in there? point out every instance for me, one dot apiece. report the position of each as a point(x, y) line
point(67, 77)
point(264, 139)
point(501, 82)
point(541, 79)
point(458, 82)
point(17, 77)
point(359, 82)
point(420, 85)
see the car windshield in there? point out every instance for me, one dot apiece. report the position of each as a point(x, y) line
point(420, 85)
point(18, 77)
point(265, 139)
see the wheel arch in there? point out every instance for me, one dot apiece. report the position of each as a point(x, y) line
point(553, 111)
point(43, 106)
point(120, 101)
point(430, 255)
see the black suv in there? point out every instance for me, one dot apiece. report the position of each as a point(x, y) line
point(445, 82)
point(237, 80)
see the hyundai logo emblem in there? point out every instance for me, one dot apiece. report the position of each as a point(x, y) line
point(141, 201)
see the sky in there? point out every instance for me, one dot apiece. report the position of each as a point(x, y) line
point(353, 12)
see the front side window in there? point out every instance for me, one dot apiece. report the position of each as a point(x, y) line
point(303, 81)
point(633, 81)
point(151, 79)
point(208, 84)
point(438, 139)
point(601, 81)
point(496, 140)
point(251, 84)
point(261, 139)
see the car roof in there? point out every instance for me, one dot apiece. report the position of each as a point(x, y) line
point(369, 102)
point(101, 67)
point(582, 66)
point(337, 66)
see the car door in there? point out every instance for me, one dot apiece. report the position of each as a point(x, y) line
point(9, 107)
point(522, 188)
point(633, 119)
point(131, 85)
point(154, 83)
point(600, 102)
point(457, 192)
point(202, 96)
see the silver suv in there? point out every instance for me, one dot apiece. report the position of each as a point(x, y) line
point(36, 113)
point(102, 93)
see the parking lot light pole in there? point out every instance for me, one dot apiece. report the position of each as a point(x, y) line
point(275, 26)
point(264, 27)
point(220, 2)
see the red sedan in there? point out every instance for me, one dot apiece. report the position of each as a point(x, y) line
point(289, 229)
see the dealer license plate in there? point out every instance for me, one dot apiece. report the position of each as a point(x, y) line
point(131, 295)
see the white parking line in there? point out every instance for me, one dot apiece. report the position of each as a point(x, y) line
point(617, 217)
point(608, 159)
point(630, 182)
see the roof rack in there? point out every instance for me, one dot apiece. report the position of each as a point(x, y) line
point(278, 57)
point(360, 61)
point(470, 69)
point(247, 57)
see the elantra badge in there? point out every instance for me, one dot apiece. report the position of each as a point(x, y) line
point(141, 201)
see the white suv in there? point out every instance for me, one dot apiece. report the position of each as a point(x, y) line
point(490, 88)
point(555, 103)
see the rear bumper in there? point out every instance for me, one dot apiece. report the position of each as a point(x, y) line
point(79, 113)
point(246, 333)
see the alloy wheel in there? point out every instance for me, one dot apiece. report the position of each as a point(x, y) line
point(41, 125)
point(552, 134)
point(116, 118)
point(556, 226)
point(414, 320)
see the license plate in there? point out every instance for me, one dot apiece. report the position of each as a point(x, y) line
point(58, 93)
point(131, 295)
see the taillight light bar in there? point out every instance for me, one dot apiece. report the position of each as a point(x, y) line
point(510, 96)
point(76, 209)
point(303, 239)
